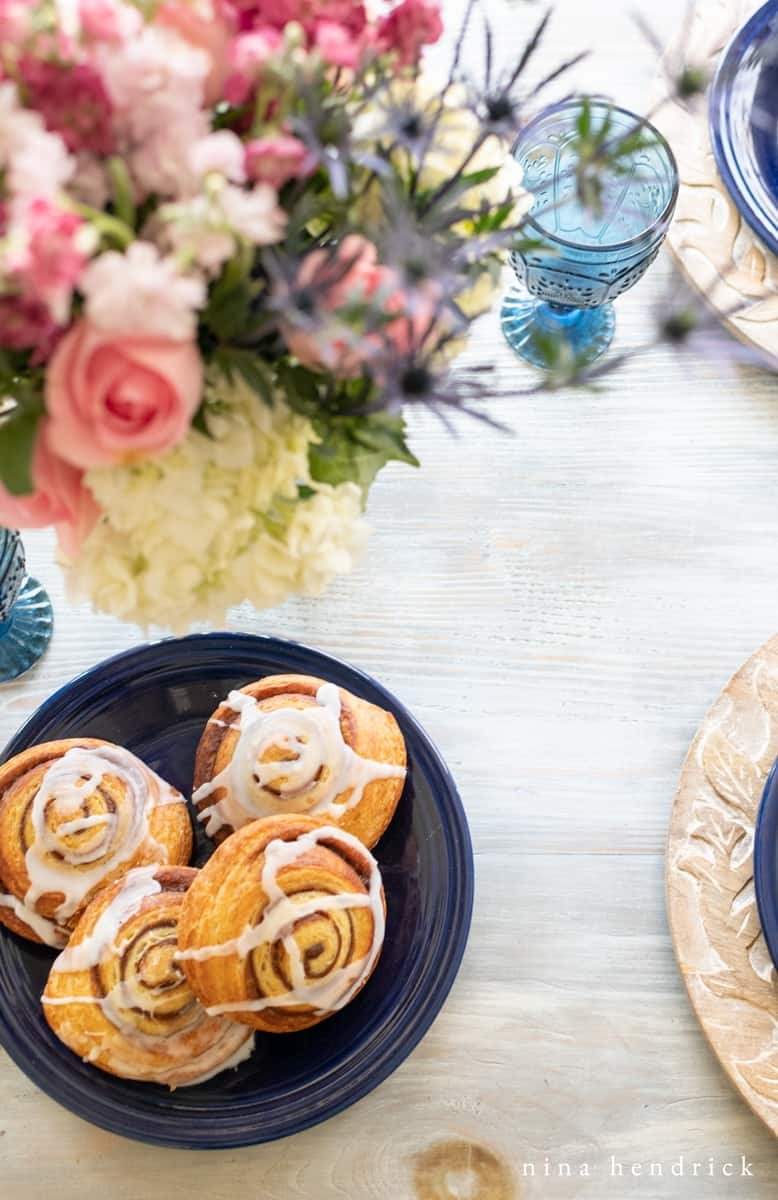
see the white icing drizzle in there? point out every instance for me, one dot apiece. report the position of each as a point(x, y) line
point(65, 787)
point(321, 767)
point(48, 931)
point(333, 991)
point(137, 885)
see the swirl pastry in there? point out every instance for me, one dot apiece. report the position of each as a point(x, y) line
point(295, 744)
point(75, 815)
point(284, 925)
point(118, 999)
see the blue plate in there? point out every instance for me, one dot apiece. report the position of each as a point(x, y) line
point(155, 700)
point(766, 862)
point(744, 121)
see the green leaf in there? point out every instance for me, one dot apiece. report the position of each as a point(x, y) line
point(254, 372)
point(228, 310)
point(476, 178)
point(584, 121)
point(226, 116)
point(301, 389)
point(17, 442)
point(355, 448)
point(455, 190)
point(251, 368)
point(199, 422)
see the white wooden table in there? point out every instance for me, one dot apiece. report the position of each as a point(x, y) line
point(559, 609)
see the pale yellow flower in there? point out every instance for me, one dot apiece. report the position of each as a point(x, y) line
point(218, 520)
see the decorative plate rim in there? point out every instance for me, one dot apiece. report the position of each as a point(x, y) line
point(393, 1044)
point(719, 124)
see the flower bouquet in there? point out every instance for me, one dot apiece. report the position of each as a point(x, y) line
point(237, 239)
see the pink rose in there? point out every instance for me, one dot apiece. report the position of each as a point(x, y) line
point(275, 160)
point(408, 27)
point(60, 498)
point(353, 276)
point(114, 397)
point(212, 32)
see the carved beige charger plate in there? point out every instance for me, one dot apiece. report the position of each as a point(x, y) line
point(714, 246)
point(710, 886)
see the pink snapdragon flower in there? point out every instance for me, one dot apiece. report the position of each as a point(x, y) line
point(101, 20)
point(27, 324)
point(142, 292)
point(73, 101)
point(220, 152)
point(337, 44)
point(351, 14)
point(52, 251)
point(59, 498)
point(112, 398)
point(354, 276)
point(277, 159)
point(248, 55)
point(409, 26)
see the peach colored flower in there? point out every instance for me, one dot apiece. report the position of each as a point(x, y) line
point(206, 27)
point(353, 276)
point(113, 397)
point(60, 498)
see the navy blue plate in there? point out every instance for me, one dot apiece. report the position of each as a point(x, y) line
point(155, 700)
point(766, 862)
point(744, 121)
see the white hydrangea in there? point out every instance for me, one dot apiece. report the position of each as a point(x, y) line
point(218, 520)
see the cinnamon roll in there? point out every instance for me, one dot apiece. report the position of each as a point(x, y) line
point(284, 925)
point(118, 999)
point(74, 815)
point(296, 744)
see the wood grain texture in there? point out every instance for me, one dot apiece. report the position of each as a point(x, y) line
point(559, 609)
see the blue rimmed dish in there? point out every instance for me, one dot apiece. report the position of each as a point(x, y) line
point(766, 862)
point(743, 115)
point(155, 700)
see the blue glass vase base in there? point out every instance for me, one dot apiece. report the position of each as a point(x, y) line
point(550, 337)
point(27, 631)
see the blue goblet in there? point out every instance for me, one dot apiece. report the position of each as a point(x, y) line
point(581, 258)
point(25, 610)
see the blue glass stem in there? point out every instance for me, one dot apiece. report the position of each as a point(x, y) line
point(26, 632)
point(553, 336)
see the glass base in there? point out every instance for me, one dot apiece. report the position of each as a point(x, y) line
point(555, 338)
point(27, 632)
